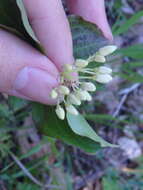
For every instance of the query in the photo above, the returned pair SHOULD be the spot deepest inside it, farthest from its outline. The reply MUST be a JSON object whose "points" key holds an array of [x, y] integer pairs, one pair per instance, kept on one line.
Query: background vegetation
{"points": [[31, 161]]}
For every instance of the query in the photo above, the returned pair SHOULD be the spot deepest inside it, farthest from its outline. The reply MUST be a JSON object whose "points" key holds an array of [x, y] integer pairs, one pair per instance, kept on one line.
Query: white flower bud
{"points": [[99, 58], [80, 95], [81, 63], [73, 99], [60, 112], [88, 96], [103, 78], [88, 86], [63, 90], [104, 70], [71, 109], [54, 94], [106, 50], [68, 68]]}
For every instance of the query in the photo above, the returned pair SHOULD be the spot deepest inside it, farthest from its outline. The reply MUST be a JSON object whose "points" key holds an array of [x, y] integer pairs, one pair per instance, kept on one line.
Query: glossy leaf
{"points": [[134, 51], [51, 126], [25, 20], [129, 23], [80, 126]]}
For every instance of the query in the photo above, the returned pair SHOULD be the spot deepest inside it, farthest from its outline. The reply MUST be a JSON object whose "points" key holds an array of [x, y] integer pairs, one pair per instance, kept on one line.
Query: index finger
{"points": [[51, 27]]}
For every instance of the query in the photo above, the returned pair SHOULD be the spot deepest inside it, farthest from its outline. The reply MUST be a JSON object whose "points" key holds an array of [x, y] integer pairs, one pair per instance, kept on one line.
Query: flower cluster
{"points": [[71, 92]]}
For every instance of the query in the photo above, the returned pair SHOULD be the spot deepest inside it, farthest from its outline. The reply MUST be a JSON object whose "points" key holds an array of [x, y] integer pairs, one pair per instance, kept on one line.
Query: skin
{"points": [[24, 71]]}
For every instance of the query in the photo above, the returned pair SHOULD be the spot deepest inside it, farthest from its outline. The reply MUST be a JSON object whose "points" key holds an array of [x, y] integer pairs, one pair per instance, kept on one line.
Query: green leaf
{"points": [[80, 126], [10, 19], [129, 66], [32, 151], [134, 77], [25, 20], [129, 23], [134, 51], [51, 126], [87, 39], [100, 118]]}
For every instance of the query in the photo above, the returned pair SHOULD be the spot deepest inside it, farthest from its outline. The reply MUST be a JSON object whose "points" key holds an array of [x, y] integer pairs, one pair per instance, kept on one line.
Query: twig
{"points": [[28, 174], [129, 89], [125, 92], [122, 101]]}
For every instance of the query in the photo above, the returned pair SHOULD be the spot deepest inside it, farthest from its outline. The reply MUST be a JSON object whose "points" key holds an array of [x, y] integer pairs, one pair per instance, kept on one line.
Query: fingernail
{"points": [[35, 84]]}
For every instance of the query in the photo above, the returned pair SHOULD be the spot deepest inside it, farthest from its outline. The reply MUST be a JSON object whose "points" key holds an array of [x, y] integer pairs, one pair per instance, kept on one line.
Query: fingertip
{"points": [[104, 26], [92, 13]]}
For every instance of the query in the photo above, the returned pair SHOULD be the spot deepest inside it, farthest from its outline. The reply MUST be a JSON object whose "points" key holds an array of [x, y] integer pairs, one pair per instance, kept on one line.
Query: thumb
{"points": [[24, 72], [92, 11]]}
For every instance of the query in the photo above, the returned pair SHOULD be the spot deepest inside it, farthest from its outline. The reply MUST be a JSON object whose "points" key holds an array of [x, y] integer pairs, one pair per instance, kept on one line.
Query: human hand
{"points": [[26, 73]]}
